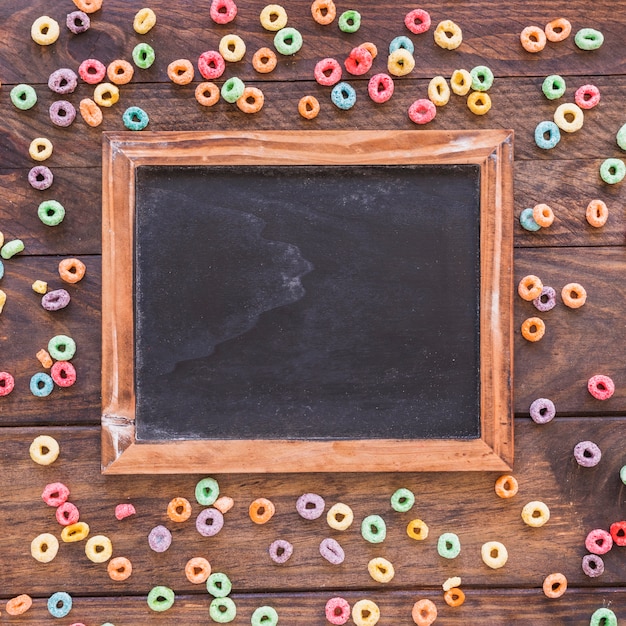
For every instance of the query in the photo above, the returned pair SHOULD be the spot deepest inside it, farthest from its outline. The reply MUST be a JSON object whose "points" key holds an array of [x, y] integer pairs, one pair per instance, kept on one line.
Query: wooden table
{"points": [[577, 345]]}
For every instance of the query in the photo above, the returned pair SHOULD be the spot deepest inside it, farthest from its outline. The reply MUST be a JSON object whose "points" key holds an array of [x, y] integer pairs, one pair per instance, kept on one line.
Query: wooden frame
{"points": [[492, 150]]}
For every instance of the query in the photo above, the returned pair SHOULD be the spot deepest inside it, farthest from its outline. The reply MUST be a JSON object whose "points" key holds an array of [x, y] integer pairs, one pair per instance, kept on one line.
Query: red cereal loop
{"points": [[417, 21], [124, 510], [359, 61], [63, 374], [337, 610], [422, 111], [7, 383], [67, 514], [55, 494], [599, 541], [587, 96], [92, 71], [380, 88], [211, 64], [327, 72], [223, 11], [618, 533], [601, 387]]}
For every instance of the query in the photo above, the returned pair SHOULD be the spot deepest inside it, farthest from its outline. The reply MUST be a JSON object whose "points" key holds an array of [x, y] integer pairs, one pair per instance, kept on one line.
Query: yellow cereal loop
{"points": [[381, 570], [535, 514], [340, 516], [479, 102], [144, 20], [106, 94], [452, 583], [461, 82], [3, 299], [569, 117], [75, 532], [448, 35], [365, 613], [40, 286], [45, 30], [494, 554], [40, 149], [99, 548], [44, 450], [232, 48], [400, 62], [273, 17], [417, 529], [44, 547], [438, 91]]}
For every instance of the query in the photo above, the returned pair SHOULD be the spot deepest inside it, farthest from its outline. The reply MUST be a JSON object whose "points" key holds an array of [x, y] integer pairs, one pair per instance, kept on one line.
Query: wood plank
{"points": [[580, 499]]}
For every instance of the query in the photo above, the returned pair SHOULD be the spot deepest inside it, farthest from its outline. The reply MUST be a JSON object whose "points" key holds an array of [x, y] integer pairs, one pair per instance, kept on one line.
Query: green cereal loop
{"points": [[161, 598], [350, 21], [233, 89], [143, 55], [24, 97], [588, 39], [553, 87], [264, 616], [287, 41], [51, 212], [222, 610], [482, 78], [62, 348], [11, 248], [622, 474], [621, 137], [612, 171], [527, 221], [448, 546], [374, 529], [402, 500], [135, 118], [218, 585], [603, 617], [207, 491]]}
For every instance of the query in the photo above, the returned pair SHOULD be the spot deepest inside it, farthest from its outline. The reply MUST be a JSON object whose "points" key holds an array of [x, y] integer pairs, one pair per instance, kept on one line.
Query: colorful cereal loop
{"points": [[7, 383], [135, 118], [529, 287], [106, 94], [160, 538], [99, 549], [542, 410], [309, 107], [251, 100], [44, 450], [494, 554], [553, 87], [88, 6], [232, 48], [11, 248], [51, 212], [401, 42], [454, 597], [598, 541], [587, 453], [45, 31], [120, 72], [349, 21], [417, 21], [197, 570], [62, 113], [143, 55], [92, 71], [371, 48], [119, 568], [331, 550], [223, 11], [422, 111], [359, 61], [90, 112], [374, 529], [180, 72], [218, 585], [482, 78], [337, 611], [365, 613], [179, 509], [593, 565], [75, 532], [310, 506], [400, 62], [554, 585], [144, 21], [340, 516], [558, 30], [77, 22], [273, 17], [323, 11], [587, 96], [417, 529], [603, 617], [618, 533], [588, 39], [232, 89], [59, 604], [533, 39], [209, 522], [40, 149], [506, 486], [535, 514], [161, 598], [438, 91], [381, 570], [41, 385], [67, 514], [222, 610], [402, 500], [224, 504], [543, 215], [448, 35], [448, 546], [479, 102], [207, 94], [343, 96], [620, 137], [424, 612], [569, 117], [461, 82], [280, 551], [547, 135], [264, 60], [44, 547], [612, 171], [327, 72], [264, 616], [211, 64], [547, 300], [380, 88], [288, 41], [19, 605], [23, 97], [573, 295], [261, 510], [62, 347], [533, 329]]}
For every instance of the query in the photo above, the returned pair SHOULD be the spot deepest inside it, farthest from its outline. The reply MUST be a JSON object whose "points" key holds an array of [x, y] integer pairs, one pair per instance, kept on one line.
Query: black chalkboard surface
{"points": [[307, 302]]}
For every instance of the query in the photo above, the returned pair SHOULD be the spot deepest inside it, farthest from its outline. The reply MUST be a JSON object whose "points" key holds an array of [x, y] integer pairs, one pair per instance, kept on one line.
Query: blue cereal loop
{"points": [[401, 42], [135, 118], [41, 385], [1, 269], [59, 604], [343, 96], [553, 132], [527, 221]]}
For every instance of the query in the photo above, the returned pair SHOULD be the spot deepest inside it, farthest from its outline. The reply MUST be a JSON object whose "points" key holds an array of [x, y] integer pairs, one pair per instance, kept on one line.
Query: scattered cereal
{"points": [[555, 585], [587, 454], [273, 17], [280, 551], [337, 611], [547, 135], [55, 494], [218, 585], [417, 21], [424, 612], [7, 382], [588, 39], [612, 171], [402, 500], [533, 39], [593, 565], [535, 514], [332, 551], [92, 71], [209, 522], [310, 506], [601, 387], [59, 604], [448, 546], [179, 509], [55, 300], [374, 529], [144, 21], [44, 450], [120, 568], [365, 613], [381, 570], [553, 87], [98, 548], [587, 96], [569, 117], [45, 30], [558, 30], [19, 605], [598, 541], [494, 554], [323, 11], [448, 35], [159, 539], [44, 547], [349, 21], [197, 570], [77, 22], [597, 213], [542, 411], [506, 486], [340, 516], [232, 48], [161, 598], [223, 11]]}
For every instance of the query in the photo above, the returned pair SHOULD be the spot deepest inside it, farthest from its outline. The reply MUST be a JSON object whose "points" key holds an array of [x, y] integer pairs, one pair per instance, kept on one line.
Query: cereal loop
{"points": [[417, 21], [601, 387], [402, 500], [400, 62], [587, 454], [40, 149], [461, 82], [332, 551], [223, 11], [67, 514], [558, 30], [88, 6], [448, 546], [232, 89], [44, 450], [232, 48], [618, 533], [207, 94], [59, 604], [529, 287], [264, 60], [310, 506], [98, 549], [120, 72], [273, 17], [506, 486], [547, 135], [308, 107], [422, 111], [144, 20], [251, 101], [554, 585], [264, 616], [160, 538], [527, 220], [417, 529], [71, 270], [569, 117], [179, 509], [553, 87], [211, 64], [327, 72], [92, 71], [479, 102], [424, 612], [593, 565], [587, 96], [90, 112], [381, 570], [323, 11], [337, 611], [438, 91], [542, 411], [573, 295], [588, 39], [543, 215], [494, 554], [7, 383], [218, 585], [359, 61], [288, 41], [454, 597], [340, 516], [23, 97], [161, 598], [106, 94], [373, 529], [365, 613], [380, 88], [280, 551], [143, 55], [261, 510], [533, 39], [535, 514], [197, 570], [55, 494], [371, 48], [612, 171], [448, 35], [224, 504], [343, 96], [349, 21], [603, 617], [533, 329], [75, 532], [45, 30], [119, 568], [599, 541], [19, 604], [77, 22], [44, 547], [41, 385], [209, 522]]}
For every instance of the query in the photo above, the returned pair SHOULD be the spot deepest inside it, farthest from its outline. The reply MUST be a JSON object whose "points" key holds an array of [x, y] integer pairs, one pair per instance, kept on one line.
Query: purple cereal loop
{"points": [[160, 539], [280, 551], [550, 303], [55, 300], [62, 113], [40, 177], [542, 410], [63, 81], [593, 565], [310, 506], [78, 22], [332, 551], [587, 454], [209, 522]]}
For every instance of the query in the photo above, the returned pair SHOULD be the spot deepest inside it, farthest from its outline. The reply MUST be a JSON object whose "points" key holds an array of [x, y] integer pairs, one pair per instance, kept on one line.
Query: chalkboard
{"points": [[280, 301]]}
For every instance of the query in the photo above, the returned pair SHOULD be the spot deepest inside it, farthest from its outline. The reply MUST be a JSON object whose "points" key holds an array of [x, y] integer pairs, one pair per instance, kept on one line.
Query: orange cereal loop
{"points": [[71, 270], [264, 60], [120, 72], [207, 94], [543, 215], [323, 11], [251, 100], [180, 72], [261, 510], [224, 504], [90, 112], [179, 510], [454, 597], [573, 295], [424, 612], [88, 6], [597, 213], [558, 30], [309, 107], [533, 329], [119, 568], [19, 604], [555, 585], [506, 486], [371, 48], [530, 287], [533, 39], [197, 570]]}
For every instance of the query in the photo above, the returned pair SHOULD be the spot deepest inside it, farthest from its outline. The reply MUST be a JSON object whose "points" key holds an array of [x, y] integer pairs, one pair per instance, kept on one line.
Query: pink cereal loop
{"points": [[599, 541], [327, 65], [587, 96], [124, 510], [380, 88], [601, 387], [55, 494], [359, 61], [337, 611], [417, 21], [223, 11], [422, 111]]}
